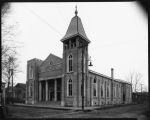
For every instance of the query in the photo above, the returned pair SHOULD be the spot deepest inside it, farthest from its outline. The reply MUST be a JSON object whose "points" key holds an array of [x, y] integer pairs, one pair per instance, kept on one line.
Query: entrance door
{"points": [[52, 95], [59, 89], [51, 90], [43, 90], [124, 98]]}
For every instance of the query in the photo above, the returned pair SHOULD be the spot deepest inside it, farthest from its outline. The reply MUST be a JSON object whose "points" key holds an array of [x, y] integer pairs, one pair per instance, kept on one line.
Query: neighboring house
{"points": [[19, 92], [140, 97], [60, 79]]}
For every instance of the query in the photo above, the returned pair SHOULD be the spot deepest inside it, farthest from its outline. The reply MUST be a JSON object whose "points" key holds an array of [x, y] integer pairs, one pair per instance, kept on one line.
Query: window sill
{"points": [[70, 72], [69, 96], [95, 97]]}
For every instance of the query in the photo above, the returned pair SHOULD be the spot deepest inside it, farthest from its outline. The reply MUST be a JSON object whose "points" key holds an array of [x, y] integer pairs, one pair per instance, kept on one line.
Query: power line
{"points": [[44, 21], [58, 10]]}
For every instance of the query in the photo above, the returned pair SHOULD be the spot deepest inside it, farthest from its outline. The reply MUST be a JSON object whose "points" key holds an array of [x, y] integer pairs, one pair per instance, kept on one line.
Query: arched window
{"points": [[101, 90], [114, 90], [94, 87], [94, 80], [69, 87], [30, 90], [69, 63], [108, 90], [30, 72], [117, 91]]}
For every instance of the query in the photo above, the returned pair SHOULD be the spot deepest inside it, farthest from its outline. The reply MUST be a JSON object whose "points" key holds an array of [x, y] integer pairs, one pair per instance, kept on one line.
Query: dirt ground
{"points": [[139, 111]]}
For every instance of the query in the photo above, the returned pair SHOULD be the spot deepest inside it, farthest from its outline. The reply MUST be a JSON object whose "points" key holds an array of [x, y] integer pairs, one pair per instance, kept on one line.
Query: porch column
{"points": [[40, 91], [55, 90], [46, 90]]}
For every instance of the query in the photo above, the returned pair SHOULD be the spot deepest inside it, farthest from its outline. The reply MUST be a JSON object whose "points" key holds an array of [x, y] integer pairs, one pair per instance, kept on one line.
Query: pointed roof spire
{"points": [[75, 28], [76, 12]]}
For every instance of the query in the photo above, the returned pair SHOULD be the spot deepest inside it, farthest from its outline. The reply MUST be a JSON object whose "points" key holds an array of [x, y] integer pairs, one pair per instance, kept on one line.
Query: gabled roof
{"points": [[75, 28], [53, 59]]}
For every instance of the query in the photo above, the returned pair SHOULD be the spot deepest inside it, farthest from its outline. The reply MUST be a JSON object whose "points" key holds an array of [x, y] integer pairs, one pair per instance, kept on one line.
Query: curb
{"points": [[41, 107]]}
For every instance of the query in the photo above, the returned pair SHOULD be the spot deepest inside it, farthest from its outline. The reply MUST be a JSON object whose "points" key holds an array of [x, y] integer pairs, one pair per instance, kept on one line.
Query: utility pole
{"points": [[12, 80], [82, 85], [82, 77]]}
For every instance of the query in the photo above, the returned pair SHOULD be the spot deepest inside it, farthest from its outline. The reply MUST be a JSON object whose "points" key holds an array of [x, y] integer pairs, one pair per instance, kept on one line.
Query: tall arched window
{"points": [[94, 87], [101, 90], [69, 87], [30, 72], [114, 90], [117, 91], [69, 63], [30, 90], [107, 90]]}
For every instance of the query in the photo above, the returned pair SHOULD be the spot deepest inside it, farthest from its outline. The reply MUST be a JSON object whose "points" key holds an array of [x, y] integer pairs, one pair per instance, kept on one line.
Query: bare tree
{"points": [[9, 53], [138, 77], [130, 79], [134, 78]]}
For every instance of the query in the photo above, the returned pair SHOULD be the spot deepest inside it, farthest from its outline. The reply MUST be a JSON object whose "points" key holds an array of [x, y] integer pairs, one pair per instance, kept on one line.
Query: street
{"points": [[130, 111]]}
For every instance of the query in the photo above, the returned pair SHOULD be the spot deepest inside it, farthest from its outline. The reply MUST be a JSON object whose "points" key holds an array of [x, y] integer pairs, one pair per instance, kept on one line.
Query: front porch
{"points": [[50, 90]]}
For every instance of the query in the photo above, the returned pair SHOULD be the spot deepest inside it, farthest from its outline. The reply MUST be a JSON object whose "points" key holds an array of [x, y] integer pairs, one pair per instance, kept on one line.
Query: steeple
{"points": [[75, 28], [76, 12]]}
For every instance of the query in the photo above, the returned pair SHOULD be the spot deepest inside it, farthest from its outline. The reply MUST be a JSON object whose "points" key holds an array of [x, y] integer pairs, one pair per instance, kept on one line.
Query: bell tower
{"points": [[75, 63]]}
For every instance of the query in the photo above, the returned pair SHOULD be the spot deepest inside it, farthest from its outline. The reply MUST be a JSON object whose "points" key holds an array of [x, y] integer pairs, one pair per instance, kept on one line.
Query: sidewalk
{"points": [[58, 107]]}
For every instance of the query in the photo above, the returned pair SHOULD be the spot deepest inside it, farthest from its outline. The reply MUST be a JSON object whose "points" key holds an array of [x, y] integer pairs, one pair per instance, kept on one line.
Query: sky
{"points": [[118, 32]]}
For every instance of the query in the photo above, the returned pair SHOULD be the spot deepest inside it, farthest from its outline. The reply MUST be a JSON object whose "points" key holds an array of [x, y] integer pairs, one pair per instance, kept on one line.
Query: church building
{"points": [[68, 80]]}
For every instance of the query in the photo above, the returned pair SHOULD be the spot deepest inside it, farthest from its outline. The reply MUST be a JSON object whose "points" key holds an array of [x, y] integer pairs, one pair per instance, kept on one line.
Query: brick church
{"points": [[68, 80]]}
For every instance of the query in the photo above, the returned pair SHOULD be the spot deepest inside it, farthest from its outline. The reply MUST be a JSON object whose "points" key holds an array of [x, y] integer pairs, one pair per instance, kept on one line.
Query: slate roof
{"points": [[75, 28], [118, 80], [53, 59]]}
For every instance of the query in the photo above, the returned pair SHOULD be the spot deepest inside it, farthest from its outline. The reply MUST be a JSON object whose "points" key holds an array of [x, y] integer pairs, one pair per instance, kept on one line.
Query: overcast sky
{"points": [[118, 33]]}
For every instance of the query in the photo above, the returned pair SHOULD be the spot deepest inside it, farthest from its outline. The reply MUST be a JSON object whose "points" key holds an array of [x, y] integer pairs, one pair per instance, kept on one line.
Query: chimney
{"points": [[112, 73]]}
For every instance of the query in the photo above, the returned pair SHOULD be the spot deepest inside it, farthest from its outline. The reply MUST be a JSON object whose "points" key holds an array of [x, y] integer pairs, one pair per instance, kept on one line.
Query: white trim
{"points": [[68, 87]]}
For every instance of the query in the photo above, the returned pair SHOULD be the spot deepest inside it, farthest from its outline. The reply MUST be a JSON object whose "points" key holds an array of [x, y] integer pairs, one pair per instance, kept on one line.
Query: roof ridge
{"points": [[49, 56], [98, 73], [55, 56]]}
